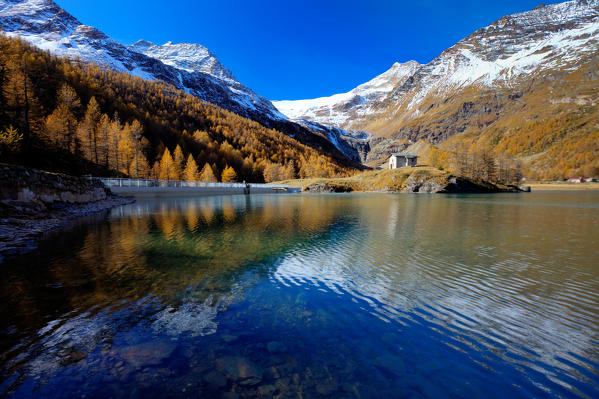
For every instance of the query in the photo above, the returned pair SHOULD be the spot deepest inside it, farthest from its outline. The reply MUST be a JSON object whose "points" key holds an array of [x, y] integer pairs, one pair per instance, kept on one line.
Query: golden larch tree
{"points": [[139, 167], [86, 132], [207, 174], [61, 125], [191, 173], [229, 175], [178, 161], [167, 170]]}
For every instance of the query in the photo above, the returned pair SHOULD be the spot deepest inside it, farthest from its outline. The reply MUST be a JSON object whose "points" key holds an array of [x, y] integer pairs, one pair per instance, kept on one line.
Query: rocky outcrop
{"points": [[371, 150], [33, 202], [360, 147], [30, 186], [423, 186], [454, 185], [327, 188]]}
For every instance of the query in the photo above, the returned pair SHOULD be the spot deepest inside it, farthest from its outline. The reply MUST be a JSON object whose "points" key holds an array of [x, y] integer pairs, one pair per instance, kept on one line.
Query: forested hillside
{"points": [[80, 118]]}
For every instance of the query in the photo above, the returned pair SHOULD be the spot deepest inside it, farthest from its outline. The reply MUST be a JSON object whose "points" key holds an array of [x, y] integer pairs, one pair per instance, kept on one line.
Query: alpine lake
{"points": [[309, 296]]}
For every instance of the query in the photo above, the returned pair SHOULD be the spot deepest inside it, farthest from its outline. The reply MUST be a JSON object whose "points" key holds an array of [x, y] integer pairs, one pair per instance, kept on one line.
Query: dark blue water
{"points": [[342, 296]]}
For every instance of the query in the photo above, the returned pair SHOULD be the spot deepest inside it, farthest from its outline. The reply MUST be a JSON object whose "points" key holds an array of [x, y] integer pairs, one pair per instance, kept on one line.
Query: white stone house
{"points": [[401, 160]]}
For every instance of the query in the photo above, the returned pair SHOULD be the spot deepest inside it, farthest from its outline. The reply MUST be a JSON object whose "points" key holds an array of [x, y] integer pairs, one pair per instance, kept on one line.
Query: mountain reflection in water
{"points": [[340, 295]]}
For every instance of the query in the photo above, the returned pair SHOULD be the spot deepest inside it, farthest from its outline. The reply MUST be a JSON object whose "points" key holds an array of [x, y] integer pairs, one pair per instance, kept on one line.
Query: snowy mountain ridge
{"points": [[190, 57], [554, 36], [333, 110], [189, 67]]}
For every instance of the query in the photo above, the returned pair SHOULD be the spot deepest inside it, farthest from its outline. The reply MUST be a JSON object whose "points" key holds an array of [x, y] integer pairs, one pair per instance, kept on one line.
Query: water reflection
{"points": [[346, 295]]}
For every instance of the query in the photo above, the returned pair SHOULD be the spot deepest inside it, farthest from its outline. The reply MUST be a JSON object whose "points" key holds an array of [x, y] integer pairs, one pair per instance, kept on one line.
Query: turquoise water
{"points": [[297, 296]]}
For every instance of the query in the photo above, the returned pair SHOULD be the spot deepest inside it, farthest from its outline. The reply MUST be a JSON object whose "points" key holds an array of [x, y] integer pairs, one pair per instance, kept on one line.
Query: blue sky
{"points": [[288, 49]]}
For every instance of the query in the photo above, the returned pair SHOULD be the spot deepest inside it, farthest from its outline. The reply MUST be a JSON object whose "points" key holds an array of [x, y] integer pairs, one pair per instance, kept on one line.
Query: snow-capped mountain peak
{"points": [[337, 109], [386, 81], [190, 57]]}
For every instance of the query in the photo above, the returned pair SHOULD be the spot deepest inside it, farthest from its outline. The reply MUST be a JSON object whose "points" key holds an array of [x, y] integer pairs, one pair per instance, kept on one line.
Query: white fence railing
{"points": [[122, 182]]}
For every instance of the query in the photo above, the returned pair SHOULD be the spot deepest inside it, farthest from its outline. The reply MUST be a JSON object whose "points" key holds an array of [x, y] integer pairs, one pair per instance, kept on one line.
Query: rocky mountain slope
{"points": [[538, 65]]}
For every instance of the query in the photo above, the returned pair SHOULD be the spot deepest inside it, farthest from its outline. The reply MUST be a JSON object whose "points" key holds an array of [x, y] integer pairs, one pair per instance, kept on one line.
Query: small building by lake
{"points": [[400, 160]]}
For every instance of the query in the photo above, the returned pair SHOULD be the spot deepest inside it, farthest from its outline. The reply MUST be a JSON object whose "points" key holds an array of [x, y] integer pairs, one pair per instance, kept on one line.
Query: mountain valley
{"points": [[524, 86]]}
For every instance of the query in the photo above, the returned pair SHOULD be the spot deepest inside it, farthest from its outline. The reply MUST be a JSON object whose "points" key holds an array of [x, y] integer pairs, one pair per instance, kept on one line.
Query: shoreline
{"points": [[563, 186], [35, 202], [25, 225]]}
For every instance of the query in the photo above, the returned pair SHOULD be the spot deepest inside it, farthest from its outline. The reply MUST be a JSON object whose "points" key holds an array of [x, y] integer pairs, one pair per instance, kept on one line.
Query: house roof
{"points": [[399, 154]]}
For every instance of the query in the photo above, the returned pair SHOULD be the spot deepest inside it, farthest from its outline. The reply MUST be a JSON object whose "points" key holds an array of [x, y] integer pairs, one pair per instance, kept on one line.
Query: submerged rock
{"points": [[240, 369], [276, 347], [266, 390], [272, 373], [250, 381], [326, 389], [215, 379], [147, 354]]}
